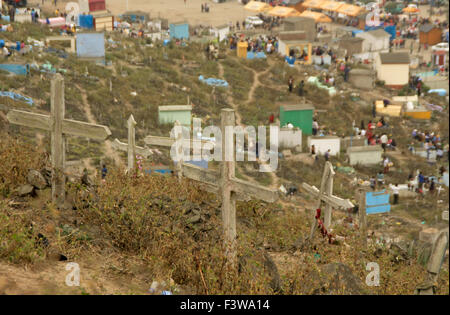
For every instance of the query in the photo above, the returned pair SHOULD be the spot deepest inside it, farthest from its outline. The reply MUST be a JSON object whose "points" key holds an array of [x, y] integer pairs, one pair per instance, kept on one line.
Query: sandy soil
{"points": [[174, 10]]}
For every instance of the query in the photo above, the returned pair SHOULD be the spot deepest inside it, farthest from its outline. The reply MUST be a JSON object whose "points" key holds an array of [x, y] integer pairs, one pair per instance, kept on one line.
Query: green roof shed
{"points": [[299, 115]]}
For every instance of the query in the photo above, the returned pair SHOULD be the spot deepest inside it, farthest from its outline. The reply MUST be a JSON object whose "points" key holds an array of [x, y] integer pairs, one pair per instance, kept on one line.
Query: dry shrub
{"points": [[175, 227], [17, 158], [18, 244]]}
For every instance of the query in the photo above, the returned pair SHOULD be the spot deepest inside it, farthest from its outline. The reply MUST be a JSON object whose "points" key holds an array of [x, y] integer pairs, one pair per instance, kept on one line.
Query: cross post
{"points": [[131, 148], [224, 183], [325, 195], [59, 127]]}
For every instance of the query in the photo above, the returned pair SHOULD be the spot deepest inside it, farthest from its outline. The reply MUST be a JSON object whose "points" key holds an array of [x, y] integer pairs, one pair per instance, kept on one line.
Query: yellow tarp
{"points": [[351, 10], [257, 6], [313, 4], [283, 11], [318, 17], [332, 6]]}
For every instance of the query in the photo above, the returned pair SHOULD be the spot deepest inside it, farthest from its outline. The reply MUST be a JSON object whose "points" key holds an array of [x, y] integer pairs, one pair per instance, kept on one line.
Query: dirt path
{"points": [[109, 151], [230, 97]]}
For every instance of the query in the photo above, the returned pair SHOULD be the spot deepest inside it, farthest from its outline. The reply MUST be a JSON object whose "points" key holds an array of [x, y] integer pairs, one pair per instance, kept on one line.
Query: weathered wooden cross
{"points": [[131, 146], [325, 195], [59, 127], [226, 184]]}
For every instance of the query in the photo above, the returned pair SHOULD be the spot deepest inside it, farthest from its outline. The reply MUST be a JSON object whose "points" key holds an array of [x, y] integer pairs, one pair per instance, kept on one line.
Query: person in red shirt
{"points": [[271, 118]]}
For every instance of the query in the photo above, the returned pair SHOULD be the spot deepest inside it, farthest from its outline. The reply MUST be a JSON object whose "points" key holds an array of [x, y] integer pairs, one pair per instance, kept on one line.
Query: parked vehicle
{"points": [[254, 21]]}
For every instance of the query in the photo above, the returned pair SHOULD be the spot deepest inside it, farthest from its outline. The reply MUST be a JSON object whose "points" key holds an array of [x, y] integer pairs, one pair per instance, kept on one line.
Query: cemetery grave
{"points": [[220, 214]]}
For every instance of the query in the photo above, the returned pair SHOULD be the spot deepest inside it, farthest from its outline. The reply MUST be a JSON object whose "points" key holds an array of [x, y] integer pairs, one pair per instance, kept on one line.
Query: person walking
{"points": [[104, 172], [386, 165], [419, 88], [327, 155], [291, 83], [300, 88], [384, 140], [395, 191], [315, 127]]}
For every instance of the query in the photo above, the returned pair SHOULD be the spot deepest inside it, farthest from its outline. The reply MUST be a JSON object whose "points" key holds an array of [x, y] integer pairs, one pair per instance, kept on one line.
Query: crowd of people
{"points": [[429, 141], [262, 43]]}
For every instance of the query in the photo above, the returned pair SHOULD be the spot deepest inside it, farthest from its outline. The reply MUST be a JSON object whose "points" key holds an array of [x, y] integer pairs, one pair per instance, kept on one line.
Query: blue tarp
{"points": [[86, 21], [290, 60], [441, 92], [158, 171], [91, 45], [6, 18], [372, 28], [213, 81], [179, 31], [391, 29], [354, 32], [17, 69], [258, 55], [17, 97], [377, 202]]}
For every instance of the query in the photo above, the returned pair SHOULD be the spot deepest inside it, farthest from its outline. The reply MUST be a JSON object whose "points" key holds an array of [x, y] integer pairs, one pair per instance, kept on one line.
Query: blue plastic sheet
{"points": [[14, 68], [258, 55], [158, 171], [86, 21], [17, 97], [91, 45], [213, 81], [290, 60], [377, 202], [440, 92], [179, 31], [391, 29]]}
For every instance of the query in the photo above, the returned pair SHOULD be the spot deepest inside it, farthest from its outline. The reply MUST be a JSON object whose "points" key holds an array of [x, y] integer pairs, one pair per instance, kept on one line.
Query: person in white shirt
{"points": [[395, 190], [363, 132], [384, 141], [386, 165]]}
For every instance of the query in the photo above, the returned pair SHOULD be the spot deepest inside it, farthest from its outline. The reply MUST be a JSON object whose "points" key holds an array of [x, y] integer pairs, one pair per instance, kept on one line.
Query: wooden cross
{"points": [[59, 127], [131, 146], [225, 183], [325, 195]]}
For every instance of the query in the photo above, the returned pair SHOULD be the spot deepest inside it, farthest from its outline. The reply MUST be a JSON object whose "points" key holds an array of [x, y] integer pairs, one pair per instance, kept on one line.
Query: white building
{"points": [[375, 41]]}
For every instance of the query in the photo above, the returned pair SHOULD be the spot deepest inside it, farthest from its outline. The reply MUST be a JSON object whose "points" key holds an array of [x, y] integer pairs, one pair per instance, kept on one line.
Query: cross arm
{"points": [[200, 174], [334, 201], [246, 190], [118, 145], [86, 130], [33, 120], [69, 127], [168, 142]]}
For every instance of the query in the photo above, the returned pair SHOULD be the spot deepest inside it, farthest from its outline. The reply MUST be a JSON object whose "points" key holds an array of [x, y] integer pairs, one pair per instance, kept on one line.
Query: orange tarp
{"points": [[351, 10], [283, 11], [313, 4], [257, 6], [318, 17], [331, 6], [410, 10]]}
